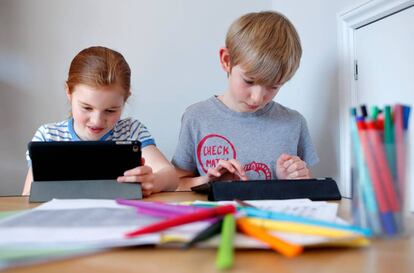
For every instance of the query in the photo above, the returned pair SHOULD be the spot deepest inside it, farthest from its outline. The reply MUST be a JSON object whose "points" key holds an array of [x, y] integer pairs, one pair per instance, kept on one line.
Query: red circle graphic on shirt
{"points": [[212, 148]]}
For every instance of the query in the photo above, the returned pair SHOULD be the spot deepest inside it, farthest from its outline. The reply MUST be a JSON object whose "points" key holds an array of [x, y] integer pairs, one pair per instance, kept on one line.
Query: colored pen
{"points": [[285, 248], [183, 219], [400, 147], [159, 206], [383, 167], [225, 252], [267, 214], [389, 140], [159, 213], [386, 215], [206, 233], [367, 196], [294, 227]]}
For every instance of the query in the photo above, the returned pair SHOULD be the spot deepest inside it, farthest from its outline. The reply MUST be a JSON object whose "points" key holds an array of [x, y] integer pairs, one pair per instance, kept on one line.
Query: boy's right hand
{"points": [[227, 170]]}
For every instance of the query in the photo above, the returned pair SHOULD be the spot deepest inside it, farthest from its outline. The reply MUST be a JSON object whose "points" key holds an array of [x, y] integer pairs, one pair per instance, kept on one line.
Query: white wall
{"points": [[314, 89], [172, 48]]}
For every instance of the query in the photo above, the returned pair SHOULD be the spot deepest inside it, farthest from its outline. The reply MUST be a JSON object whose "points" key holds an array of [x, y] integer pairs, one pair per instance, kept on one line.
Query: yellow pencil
{"points": [[261, 234], [294, 227]]}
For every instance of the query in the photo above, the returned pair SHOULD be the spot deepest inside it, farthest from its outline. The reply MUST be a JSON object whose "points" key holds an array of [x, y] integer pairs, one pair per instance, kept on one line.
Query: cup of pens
{"points": [[379, 155]]}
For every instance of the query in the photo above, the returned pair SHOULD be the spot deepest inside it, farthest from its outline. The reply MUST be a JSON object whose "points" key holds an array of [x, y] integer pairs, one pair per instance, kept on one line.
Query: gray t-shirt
{"points": [[210, 131]]}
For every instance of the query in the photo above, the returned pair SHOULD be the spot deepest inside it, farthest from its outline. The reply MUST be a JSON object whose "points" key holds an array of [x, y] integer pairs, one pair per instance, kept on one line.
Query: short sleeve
{"points": [[306, 149], [38, 136], [140, 132], [184, 156]]}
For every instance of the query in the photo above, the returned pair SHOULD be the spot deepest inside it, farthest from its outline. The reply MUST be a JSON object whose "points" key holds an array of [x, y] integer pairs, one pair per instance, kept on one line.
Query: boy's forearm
{"points": [[165, 180], [186, 183]]}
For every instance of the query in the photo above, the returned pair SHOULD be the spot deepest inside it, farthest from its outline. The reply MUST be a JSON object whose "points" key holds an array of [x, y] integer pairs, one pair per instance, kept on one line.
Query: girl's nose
{"points": [[97, 119]]}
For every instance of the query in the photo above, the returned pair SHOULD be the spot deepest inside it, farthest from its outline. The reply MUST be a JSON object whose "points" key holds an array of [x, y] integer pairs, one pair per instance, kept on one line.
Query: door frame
{"points": [[348, 22]]}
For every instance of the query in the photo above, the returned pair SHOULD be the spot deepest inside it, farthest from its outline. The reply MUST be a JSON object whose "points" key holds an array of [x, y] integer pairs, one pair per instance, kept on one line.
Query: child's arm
{"points": [[225, 170], [291, 167], [188, 180], [28, 182], [156, 173]]}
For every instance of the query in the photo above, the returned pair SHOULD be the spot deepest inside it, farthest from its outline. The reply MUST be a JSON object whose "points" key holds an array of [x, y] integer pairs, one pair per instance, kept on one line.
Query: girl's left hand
{"points": [[291, 167], [142, 174]]}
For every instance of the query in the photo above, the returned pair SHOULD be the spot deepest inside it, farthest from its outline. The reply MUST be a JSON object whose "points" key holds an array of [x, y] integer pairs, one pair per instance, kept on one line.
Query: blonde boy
{"points": [[243, 134]]}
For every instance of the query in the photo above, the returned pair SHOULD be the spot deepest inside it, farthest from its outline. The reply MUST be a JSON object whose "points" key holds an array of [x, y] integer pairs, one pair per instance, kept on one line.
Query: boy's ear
{"points": [[68, 93], [225, 59]]}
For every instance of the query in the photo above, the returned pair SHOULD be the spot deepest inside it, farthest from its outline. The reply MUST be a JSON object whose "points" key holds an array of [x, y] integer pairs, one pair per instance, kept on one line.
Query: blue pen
{"points": [[266, 214], [406, 116]]}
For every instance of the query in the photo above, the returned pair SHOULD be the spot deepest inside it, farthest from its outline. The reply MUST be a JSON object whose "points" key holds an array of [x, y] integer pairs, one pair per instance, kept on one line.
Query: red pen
{"points": [[183, 219]]}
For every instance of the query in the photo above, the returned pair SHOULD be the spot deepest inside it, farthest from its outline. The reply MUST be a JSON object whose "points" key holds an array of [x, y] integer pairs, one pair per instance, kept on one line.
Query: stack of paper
{"points": [[62, 228]]}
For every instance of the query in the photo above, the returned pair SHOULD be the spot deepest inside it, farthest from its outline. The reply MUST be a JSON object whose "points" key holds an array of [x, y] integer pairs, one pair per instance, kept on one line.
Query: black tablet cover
{"points": [[314, 189]]}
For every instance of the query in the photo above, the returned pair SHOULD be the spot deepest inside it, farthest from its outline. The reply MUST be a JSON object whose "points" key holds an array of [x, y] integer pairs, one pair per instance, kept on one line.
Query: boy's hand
{"points": [[142, 174], [291, 167], [227, 170]]}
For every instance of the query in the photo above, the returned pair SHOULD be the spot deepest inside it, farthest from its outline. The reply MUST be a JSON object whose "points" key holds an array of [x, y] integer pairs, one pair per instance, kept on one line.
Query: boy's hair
{"points": [[266, 45], [99, 66]]}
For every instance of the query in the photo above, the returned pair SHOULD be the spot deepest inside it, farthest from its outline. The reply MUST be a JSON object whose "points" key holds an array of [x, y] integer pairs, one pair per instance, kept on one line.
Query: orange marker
{"points": [[285, 248]]}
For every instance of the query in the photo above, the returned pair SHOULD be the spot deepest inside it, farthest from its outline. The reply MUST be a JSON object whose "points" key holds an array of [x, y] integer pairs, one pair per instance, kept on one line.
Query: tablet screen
{"points": [[83, 160]]}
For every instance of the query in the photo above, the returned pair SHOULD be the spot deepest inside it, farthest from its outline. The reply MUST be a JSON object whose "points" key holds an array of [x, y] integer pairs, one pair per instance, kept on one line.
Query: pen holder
{"points": [[379, 170]]}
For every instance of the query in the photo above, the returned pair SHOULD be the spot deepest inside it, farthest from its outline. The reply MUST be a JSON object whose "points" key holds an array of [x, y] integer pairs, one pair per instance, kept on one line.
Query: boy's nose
{"points": [[257, 95]]}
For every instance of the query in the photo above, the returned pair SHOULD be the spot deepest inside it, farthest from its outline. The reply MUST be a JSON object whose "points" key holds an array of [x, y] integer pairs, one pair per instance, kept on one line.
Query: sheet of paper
{"points": [[96, 223], [320, 210]]}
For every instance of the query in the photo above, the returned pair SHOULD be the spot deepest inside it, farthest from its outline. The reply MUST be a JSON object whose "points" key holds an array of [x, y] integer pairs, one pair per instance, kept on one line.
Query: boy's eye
{"points": [[110, 111], [248, 81], [87, 108]]}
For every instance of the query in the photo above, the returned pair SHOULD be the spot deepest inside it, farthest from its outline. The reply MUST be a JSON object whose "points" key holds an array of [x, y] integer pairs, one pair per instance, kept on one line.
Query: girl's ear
{"points": [[225, 59], [68, 93]]}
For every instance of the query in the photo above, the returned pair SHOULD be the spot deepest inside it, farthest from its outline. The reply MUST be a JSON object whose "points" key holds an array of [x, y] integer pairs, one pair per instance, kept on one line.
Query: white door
{"points": [[385, 56]]}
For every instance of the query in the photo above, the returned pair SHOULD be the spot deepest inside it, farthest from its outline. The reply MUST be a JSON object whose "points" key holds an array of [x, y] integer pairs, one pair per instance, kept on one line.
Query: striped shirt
{"points": [[124, 130]]}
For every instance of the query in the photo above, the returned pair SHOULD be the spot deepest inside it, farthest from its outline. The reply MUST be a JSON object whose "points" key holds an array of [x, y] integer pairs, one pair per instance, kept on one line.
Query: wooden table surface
{"points": [[386, 255]]}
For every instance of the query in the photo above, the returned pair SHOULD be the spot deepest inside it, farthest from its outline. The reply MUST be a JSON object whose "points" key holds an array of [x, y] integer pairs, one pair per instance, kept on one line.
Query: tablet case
{"points": [[315, 189], [83, 169]]}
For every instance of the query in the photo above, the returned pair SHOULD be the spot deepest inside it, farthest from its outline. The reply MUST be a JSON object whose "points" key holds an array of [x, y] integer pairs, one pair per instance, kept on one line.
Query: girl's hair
{"points": [[99, 66], [266, 45]]}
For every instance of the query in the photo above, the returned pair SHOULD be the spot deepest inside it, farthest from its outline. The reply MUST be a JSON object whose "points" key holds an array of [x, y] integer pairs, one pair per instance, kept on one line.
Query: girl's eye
{"points": [[87, 108], [110, 111]]}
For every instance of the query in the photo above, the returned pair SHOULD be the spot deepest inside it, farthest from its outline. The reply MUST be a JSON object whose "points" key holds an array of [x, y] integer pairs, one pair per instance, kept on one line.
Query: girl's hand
{"points": [[227, 170], [291, 167], [142, 174]]}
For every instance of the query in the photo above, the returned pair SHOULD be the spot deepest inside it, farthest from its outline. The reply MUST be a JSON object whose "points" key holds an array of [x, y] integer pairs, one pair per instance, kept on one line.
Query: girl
{"points": [[97, 88]]}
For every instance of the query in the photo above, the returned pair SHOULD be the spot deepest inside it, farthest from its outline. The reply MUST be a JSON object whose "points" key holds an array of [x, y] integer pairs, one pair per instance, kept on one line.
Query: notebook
{"points": [[315, 189], [83, 169]]}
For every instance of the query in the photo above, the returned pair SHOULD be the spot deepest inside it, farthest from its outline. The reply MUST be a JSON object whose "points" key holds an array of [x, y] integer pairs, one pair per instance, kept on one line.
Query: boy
{"points": [[243, 134]]}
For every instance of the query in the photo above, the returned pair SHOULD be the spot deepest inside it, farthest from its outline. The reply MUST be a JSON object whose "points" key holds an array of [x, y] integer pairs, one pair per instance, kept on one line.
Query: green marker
{"points": [[374, 112], [225, 251], [389, 140]]}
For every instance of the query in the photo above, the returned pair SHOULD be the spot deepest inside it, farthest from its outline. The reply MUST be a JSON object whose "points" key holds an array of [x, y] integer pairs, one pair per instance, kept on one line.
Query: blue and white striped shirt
{"points": [[124, 130]]}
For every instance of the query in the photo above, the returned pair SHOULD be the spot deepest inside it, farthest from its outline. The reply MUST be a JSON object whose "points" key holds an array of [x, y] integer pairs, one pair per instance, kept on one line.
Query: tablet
{"points": [[83, 170], [316, 189], [83, 160]]}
